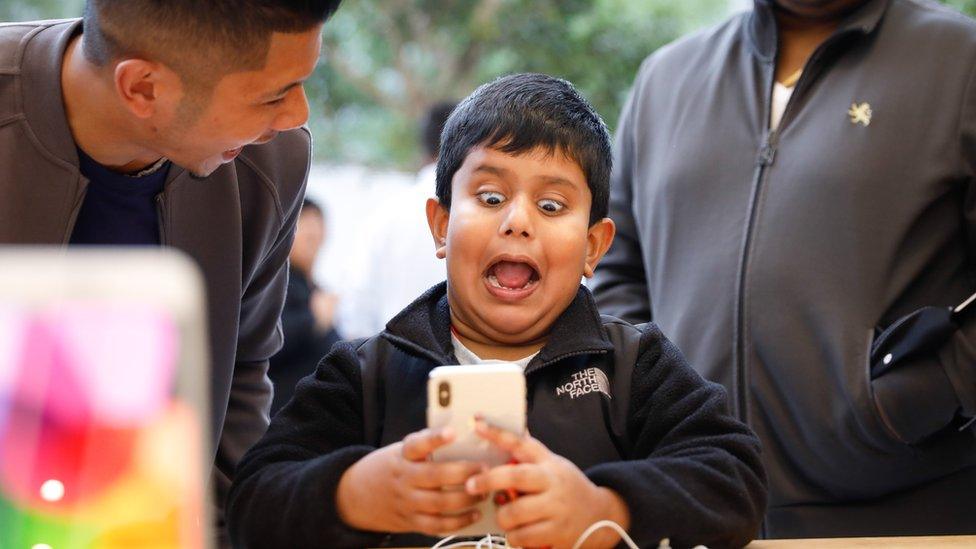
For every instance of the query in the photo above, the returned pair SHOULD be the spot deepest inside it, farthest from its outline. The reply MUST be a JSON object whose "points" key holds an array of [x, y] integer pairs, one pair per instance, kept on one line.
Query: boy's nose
{"points": [[518, 221]]}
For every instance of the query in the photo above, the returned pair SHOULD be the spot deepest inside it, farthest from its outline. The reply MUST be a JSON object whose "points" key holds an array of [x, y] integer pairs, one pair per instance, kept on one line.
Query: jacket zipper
{"points": [[564, 356], [765, 158], [767, 153]]}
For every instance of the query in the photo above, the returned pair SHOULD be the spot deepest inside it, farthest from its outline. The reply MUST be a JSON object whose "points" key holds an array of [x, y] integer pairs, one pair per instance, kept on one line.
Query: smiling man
{"points": [[172, 123]]}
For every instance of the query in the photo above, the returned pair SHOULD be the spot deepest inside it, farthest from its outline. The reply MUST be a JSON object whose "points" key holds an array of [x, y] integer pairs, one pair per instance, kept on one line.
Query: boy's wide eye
{"points": [[551, 206], [491, 198]]}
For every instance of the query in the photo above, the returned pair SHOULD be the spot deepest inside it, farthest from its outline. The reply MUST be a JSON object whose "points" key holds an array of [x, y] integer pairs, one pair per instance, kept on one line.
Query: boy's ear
{"points": [[598, 240], [437, 218]]}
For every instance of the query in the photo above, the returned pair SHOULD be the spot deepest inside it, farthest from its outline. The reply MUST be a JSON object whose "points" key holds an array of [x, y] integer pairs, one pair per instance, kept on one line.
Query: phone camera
{"points": [[444, 394]]}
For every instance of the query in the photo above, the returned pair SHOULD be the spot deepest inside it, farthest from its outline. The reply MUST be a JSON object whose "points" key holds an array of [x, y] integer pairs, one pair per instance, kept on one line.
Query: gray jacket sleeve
{"points": [[958, 358], [259, 338], [620, 285], [924, 395]]}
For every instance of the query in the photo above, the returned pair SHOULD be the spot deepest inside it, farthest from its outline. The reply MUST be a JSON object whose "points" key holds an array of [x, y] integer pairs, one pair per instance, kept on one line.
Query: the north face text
{"points": [[586, 381]]}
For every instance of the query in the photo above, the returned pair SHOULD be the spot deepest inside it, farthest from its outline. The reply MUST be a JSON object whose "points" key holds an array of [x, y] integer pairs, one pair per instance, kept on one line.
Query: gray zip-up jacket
{"points": [[771, 257], [237, 224]]}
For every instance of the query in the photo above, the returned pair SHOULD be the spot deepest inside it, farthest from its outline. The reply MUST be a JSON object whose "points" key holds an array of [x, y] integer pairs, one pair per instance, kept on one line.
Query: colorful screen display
{"points": [[97, 448]]}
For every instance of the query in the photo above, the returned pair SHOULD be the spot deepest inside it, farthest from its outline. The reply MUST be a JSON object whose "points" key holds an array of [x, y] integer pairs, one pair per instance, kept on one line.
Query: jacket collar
{"points": [[424, 327], [42, 97], [761, 25], [45, 113]]}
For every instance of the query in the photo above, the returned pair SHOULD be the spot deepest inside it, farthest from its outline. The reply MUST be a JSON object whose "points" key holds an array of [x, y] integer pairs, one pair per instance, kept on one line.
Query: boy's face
{"points": [[517, 240]]}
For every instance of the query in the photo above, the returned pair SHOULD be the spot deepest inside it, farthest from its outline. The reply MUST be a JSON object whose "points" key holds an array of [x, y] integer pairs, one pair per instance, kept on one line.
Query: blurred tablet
{"points": [[103, 407]]}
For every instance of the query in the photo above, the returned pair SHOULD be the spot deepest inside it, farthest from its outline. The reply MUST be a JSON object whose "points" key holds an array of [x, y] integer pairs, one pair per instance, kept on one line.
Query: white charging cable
{"points": [[499, 542], [607, 524]]}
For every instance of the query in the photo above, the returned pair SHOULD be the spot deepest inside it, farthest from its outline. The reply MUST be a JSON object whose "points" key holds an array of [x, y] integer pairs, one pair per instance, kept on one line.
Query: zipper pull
{"points": [[767, 154]]}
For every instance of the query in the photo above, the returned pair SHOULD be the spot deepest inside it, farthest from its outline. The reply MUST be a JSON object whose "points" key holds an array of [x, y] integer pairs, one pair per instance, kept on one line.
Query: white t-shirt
{"points": [[781, 96], [466, 356]]}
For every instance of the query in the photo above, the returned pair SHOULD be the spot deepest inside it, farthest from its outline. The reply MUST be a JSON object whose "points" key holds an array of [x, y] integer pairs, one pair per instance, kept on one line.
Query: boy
{"points": [[621, 427]]}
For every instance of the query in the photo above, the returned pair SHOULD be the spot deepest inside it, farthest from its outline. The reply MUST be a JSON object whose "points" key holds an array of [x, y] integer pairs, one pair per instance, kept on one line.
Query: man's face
{"points": [[516, 242], [246, 107], [819, 9]]}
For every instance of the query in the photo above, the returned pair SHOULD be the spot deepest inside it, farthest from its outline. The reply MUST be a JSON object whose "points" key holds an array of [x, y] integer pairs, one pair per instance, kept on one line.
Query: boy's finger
{"points": [[537, 534], [526, 478], [417, 446], [433, 525], [441, 502], [523, 511], [522, 447], [436, 475]]}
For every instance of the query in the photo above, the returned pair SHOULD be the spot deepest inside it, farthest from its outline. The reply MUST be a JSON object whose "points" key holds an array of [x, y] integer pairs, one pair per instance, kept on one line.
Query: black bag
{"points": [[919, 333]]}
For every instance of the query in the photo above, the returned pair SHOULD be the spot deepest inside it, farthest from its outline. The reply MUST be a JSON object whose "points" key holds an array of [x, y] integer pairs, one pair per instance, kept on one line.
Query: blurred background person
{"points": [[307, 319], [398, 236]]}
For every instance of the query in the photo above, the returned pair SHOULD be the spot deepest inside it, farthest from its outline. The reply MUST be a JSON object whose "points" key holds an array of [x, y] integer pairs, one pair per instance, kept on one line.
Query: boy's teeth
{"points": [[493, 280]]}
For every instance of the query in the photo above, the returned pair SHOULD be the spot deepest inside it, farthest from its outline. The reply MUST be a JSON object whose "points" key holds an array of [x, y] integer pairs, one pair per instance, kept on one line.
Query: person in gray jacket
{"points": [[787, 185], [178, 124]]}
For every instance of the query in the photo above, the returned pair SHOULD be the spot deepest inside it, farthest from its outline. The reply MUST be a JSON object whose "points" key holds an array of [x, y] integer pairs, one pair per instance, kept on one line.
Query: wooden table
{"points": [[933, 542], [920, 542]]}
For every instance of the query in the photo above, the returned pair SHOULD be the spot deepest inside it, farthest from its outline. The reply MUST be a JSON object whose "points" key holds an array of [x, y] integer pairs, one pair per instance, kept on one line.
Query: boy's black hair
{"points": [[518, 113], [201, 39]]}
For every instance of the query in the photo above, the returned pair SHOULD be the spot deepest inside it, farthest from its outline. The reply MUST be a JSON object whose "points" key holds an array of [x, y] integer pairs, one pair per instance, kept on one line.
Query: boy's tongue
{"points": [[512, 275]]}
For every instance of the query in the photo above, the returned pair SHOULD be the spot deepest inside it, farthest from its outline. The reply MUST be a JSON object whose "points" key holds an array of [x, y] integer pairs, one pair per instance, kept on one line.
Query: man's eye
{"points": [[491, 198], [551, 206], [274, 102]]}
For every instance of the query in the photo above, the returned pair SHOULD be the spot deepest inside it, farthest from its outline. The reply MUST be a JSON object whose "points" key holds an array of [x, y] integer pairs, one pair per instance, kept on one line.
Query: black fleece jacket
{"points": [[643, 424]]}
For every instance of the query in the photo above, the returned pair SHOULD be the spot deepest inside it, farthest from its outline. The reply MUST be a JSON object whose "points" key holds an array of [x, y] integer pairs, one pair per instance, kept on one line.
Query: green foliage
{"points": [[29, 10], [966, 6], [385, 61]]}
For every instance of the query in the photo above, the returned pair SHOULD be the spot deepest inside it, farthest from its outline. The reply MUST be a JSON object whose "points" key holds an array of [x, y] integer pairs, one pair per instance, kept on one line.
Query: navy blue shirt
{"points": [[118, 209]]}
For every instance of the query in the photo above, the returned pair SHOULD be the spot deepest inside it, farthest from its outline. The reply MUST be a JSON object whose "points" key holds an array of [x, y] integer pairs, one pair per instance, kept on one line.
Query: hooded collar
{"points": [[762, 33], [424, 327]]}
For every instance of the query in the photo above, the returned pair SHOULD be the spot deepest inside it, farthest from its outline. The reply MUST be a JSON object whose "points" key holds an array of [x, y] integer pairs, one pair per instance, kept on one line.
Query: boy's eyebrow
{"points": [[493, 170], [556, 180], [504, 173]]}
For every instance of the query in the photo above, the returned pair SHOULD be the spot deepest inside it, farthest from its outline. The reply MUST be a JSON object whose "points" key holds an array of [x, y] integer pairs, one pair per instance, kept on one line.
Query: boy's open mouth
{"points": [[511, 278]]}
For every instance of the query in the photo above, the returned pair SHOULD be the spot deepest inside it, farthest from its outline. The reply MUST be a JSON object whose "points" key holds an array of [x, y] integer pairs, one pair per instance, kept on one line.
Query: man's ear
{"points": [[598, 240], [437, 218], [146, 87]]}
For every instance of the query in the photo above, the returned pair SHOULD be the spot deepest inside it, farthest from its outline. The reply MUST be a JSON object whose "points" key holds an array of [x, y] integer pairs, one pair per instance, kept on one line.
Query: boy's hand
{"points": [[556, 502], [395, 488]]}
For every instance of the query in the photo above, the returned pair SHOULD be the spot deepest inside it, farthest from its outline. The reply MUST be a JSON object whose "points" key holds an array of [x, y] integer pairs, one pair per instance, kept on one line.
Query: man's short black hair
{"points": [[521, 112], [199, 39], [433, 125]]}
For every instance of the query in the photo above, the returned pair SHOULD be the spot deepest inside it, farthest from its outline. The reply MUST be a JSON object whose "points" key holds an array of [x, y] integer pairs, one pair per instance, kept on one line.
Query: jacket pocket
{"points": [[883, 429], [912, 398]]}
